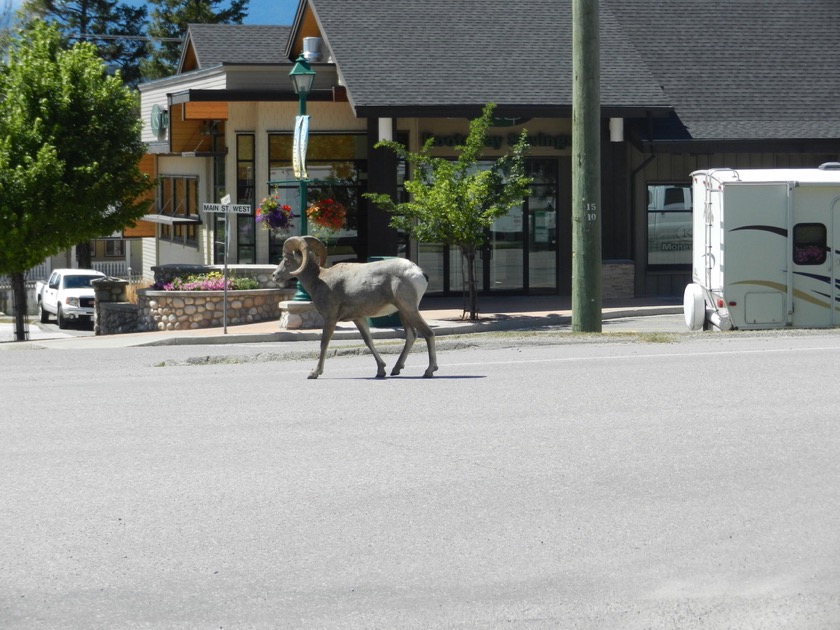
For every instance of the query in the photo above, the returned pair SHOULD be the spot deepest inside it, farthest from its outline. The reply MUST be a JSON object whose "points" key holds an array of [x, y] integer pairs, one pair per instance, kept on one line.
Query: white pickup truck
{"points": [[68, 294]]}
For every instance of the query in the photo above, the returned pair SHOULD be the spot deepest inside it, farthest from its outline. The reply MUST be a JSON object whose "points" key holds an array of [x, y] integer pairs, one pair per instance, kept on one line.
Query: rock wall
{"points": [[182, 310], [188, 310]]}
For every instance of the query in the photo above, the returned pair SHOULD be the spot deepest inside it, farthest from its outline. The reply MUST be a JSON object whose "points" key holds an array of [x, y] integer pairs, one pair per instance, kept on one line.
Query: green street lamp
{"points": [[302, 79]]}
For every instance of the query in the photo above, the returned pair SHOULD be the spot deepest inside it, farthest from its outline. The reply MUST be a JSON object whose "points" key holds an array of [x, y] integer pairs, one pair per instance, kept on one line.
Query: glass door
{"points": [[507, 252]]}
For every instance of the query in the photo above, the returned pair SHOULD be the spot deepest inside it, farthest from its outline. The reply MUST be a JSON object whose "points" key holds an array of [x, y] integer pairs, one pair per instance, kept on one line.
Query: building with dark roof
{"points": [[683, 87]]}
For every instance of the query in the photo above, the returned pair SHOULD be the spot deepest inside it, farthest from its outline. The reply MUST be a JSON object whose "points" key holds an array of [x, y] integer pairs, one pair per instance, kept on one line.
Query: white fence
{"points": [[38, 272], [116, 269], [112, 268]]}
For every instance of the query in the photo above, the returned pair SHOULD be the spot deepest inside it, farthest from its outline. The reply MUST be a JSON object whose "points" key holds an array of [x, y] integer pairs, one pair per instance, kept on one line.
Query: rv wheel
{"points": [[694, 307]]}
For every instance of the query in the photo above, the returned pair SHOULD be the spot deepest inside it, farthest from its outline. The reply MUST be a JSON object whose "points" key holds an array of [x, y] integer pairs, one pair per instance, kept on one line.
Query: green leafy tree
{"points": [[168, 26], [69, 152], [455, 202], [117, 29]]}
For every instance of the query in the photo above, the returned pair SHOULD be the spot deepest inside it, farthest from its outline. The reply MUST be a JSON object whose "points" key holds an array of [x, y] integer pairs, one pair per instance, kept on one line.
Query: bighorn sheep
{"points": [[356, 291]]}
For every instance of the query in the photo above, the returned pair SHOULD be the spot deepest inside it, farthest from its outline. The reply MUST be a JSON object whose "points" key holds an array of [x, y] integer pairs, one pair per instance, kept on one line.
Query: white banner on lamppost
{"points": [[299, 147]]}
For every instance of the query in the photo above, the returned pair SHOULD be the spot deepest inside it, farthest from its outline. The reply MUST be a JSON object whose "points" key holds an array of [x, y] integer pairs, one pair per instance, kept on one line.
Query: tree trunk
{"points": [[19, 297], [472, 288]]}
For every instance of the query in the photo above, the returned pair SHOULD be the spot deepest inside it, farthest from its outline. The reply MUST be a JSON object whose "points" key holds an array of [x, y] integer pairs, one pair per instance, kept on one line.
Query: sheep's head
{"points": [[296, 252]]}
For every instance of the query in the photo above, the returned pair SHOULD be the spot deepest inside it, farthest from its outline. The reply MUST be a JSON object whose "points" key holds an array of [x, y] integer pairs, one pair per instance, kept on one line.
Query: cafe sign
{"points": [[558, 142]]}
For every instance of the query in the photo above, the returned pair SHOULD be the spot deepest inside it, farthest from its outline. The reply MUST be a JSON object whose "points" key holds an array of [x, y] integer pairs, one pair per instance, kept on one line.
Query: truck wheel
{"points": [[62, 321], [44, 315], [694, 307]]}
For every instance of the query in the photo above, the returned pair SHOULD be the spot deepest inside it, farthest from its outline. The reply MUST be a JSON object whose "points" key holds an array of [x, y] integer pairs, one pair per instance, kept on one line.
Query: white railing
{"points": [[113, 268], [38, 272]]}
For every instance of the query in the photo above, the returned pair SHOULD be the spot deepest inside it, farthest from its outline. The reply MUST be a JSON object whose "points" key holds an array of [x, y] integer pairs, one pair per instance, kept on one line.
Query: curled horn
{"points": [[297, 244], [319, 248]]}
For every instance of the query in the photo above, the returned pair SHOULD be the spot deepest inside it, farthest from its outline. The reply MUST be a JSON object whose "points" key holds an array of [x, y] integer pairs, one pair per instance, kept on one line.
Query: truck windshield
{"points": [[77, 282]]}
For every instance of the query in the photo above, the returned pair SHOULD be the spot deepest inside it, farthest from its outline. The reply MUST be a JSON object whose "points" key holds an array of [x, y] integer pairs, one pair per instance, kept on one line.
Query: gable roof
{"points": [[746, 70], [752, 69], [213, 44], [757, 69], [409, 55]]}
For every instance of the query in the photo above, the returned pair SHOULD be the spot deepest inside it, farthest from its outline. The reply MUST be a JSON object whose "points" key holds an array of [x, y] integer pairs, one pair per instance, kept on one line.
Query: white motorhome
{"points": [[766, 249]]}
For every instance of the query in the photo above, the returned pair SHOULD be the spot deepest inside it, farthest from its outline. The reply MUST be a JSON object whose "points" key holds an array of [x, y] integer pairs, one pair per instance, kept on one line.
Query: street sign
{"points": [[243, 208]]}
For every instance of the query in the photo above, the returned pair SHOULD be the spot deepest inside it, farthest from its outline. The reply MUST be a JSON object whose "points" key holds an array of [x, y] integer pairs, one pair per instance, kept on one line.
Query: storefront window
{"points": [[219, 218], [246, 246], [521, 249], [337, 170], [177, 199], [669, 224]]}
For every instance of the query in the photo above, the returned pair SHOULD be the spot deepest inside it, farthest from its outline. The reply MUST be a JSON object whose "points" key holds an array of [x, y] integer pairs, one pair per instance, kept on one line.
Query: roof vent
{"points": [[312, 48]]}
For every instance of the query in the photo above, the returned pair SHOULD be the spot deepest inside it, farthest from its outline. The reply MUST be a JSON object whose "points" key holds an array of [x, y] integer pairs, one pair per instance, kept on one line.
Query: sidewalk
{"points": [[444, 315]]}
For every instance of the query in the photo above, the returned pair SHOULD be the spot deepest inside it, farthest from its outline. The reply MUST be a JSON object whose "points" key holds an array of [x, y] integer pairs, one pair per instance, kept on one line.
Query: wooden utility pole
{"points": [[586, 168]]}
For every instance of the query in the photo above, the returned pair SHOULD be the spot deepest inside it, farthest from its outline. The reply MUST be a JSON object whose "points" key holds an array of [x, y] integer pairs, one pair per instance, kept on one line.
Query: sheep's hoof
{"points": [[430, 372], [313, 375], [396, 371], [380, 375]]}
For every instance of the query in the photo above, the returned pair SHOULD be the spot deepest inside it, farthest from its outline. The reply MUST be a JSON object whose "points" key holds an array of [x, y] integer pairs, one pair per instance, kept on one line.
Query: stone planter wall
{"points": [[116, 318], [113, 314], [180, 310], [187, 310]]}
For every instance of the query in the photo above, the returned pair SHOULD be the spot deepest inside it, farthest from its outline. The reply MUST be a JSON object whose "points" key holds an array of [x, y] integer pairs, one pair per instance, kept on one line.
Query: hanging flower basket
{"points": [[273, 216], [327, 217]]}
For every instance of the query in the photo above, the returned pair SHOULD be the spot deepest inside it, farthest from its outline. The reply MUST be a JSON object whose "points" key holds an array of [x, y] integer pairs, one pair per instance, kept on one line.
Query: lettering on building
{"points": [[545, 140]]}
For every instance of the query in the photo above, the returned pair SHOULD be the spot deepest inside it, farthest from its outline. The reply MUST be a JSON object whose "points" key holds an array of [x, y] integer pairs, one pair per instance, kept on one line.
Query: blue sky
{"points": [[276, 12], [271, 11]]}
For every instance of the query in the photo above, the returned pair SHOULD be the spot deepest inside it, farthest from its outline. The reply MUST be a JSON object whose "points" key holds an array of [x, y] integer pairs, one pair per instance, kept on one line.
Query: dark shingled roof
{"points": [[757, 69], [469, 52], [731, 70], [238, 43], [751, 69]]}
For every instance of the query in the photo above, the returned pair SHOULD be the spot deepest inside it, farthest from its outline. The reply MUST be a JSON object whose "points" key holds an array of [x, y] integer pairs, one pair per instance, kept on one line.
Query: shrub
{"points": [[131, 290]]}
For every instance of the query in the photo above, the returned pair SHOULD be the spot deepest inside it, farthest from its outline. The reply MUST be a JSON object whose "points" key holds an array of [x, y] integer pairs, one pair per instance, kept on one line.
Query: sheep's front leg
{"points": [[326, 335], [362, 325]]}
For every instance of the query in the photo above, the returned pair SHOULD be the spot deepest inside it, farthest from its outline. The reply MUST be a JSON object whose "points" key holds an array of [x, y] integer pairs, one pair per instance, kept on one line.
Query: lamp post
{"points": [[302, 79]]}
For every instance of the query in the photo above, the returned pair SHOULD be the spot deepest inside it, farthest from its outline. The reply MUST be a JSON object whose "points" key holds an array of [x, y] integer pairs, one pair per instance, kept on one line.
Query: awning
{"points": [[170, 220]]}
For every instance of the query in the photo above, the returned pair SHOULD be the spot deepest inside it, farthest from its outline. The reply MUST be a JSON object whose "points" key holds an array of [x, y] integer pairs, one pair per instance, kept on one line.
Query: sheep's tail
{"points": [[418, 280]]}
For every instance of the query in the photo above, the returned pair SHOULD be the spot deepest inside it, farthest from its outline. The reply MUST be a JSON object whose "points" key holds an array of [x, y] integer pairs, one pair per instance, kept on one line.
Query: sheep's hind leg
{"points": [[410, 336], [362, 325], [416, 322], [424, 331]]}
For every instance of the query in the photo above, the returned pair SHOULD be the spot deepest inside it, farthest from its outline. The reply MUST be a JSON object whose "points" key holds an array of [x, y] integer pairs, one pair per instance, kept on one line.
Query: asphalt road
{"points": [[539, 481]]}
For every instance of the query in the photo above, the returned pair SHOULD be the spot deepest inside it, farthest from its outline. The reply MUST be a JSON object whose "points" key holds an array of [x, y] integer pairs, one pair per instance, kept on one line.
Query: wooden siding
{"points": [[189, 135], [206, 111], [143, 229]]}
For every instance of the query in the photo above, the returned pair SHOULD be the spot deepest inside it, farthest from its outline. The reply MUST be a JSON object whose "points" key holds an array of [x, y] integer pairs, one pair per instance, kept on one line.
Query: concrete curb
{"points": [[501, 321], [440, 328]]}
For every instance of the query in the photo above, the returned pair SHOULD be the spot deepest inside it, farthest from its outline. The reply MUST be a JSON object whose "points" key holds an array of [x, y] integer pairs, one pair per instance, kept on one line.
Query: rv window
{"points": [[809, 244], [669, 224]]}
